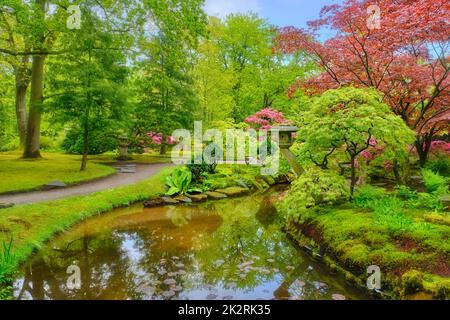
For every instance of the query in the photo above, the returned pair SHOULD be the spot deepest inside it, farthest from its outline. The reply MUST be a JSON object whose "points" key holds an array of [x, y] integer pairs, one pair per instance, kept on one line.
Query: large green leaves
{"points": [[180, 182]]}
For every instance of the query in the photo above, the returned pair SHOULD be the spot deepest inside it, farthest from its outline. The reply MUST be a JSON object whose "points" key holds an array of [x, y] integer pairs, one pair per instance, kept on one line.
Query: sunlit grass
{"points": [[17, 174]]}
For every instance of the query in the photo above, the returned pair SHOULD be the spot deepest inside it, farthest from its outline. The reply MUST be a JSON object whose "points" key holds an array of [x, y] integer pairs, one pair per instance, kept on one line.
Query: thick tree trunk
{"points": [[423, 146], [22, 82], [32, 143]]}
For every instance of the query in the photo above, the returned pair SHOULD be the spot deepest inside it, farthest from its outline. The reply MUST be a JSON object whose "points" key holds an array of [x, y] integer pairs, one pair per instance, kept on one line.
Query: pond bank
{"points": [[348, 240], [224, 249]]}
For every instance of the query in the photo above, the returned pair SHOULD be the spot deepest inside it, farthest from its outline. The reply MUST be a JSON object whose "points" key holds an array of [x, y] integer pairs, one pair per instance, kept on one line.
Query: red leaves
{"points": [[407, 58]]}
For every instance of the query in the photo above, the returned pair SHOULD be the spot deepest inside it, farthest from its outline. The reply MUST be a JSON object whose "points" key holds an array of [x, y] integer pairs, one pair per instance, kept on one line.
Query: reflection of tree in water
{"points": [[244, 252], [162, 252], [102, 261]]}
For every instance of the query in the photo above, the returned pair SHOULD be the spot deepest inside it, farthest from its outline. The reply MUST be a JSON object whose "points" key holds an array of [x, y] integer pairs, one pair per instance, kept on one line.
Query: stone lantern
{"points": [[123, 148], [285, 135], [286, 140]]}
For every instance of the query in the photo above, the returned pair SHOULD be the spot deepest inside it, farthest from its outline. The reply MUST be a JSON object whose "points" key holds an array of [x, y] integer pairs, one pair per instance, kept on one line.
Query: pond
{"points": [[227, 249]]}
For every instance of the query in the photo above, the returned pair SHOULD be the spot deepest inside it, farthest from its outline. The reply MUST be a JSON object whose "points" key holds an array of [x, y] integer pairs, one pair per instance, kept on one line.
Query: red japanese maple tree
{"points": [[405, 55]]}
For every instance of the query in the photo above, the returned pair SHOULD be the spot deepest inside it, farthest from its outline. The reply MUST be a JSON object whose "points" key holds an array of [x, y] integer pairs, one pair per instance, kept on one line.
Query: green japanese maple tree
{"points": [[350, 120]]}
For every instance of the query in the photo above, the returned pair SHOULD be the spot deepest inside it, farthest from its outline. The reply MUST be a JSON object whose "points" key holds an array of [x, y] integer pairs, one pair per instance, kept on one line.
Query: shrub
{"points": [[180, 182], [412, 281], [426, 200], [405, 193], [434, 182], [313, 188], [440, 165], [7, 263], [388, 212], [99, 141], [199, 170], [366, 194]]}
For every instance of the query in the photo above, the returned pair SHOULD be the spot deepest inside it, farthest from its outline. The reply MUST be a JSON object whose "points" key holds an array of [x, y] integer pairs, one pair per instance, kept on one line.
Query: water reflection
{"points": [[229, 249]]}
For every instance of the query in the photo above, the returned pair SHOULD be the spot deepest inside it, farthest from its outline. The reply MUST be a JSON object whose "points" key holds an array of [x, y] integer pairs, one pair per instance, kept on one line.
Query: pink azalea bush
{"points": [[266, 119], [440, 146], [158, 138]]}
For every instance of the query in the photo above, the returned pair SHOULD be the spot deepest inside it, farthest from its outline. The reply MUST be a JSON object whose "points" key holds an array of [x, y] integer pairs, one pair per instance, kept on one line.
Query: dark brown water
{"points": [[228, 249]]}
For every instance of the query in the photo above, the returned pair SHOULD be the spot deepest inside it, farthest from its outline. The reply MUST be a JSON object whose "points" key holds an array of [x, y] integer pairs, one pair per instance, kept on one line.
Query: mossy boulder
{"points": [[234, 191], [268, 179], [412, 281], [153, 202], [6, 205], [169, 201], [198, 197], [183, 199], [216, 195]]}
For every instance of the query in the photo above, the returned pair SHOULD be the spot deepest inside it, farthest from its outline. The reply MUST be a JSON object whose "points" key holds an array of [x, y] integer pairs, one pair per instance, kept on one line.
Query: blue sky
{"points": [[278, 12]]}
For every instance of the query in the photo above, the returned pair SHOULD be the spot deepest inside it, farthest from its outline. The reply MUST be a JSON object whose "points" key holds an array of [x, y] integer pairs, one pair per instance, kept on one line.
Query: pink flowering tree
{"points": [[161, 140], [266, 119]]}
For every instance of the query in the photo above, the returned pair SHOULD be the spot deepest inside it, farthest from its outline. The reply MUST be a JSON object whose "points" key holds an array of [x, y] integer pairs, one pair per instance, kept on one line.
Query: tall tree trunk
{"points": [[22, 82], [32, 143]]}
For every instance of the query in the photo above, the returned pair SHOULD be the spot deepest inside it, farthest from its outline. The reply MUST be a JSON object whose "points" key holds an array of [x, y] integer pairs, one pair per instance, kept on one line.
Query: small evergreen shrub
{"points": [[440, 165], [366, 194], [434, 182], [313, 188]]}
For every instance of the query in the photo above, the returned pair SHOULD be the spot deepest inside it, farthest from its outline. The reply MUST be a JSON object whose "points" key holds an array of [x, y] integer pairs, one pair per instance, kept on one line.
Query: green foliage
{"points": [[8, 140], [412, 281], [405, 192], [440, 165], [366, 194], [237, 72], [389, 213], [434, 182], [349, 121], [313, 188], [180, 182], [200, 170], [100, 140], [7, 260], [7, 268], [414, 199]]}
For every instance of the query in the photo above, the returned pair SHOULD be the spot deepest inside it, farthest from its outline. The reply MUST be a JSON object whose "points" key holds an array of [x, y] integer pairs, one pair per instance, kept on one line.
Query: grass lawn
{"points": [[24, 175], [29, 226]]}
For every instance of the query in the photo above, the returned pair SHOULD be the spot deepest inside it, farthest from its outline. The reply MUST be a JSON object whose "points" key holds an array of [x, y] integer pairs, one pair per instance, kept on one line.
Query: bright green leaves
{"points": [[313, 188], [180, 182]]}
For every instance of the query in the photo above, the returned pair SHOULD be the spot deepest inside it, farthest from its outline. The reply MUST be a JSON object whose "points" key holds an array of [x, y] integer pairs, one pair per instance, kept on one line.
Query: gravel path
{"points": [[137, 173]]}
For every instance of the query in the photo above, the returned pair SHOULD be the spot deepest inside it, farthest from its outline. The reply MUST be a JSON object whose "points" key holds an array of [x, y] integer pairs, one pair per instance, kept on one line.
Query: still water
{"points": [[228, 249]]}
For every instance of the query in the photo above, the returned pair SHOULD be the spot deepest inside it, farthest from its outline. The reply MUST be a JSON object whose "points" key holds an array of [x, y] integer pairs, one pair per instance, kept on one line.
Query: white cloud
{"points": [[222, 8]]}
